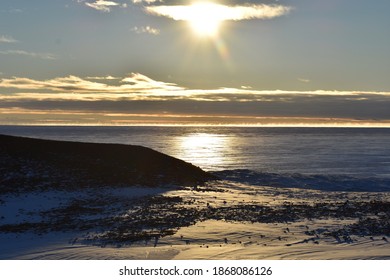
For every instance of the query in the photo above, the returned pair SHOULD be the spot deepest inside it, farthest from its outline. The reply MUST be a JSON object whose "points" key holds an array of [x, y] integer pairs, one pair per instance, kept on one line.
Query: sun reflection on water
{"points": [[204, 149]]}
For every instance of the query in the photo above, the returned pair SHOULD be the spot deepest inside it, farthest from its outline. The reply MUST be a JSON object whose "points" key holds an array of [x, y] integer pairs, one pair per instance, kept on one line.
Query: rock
{"points": [[79, 164]]}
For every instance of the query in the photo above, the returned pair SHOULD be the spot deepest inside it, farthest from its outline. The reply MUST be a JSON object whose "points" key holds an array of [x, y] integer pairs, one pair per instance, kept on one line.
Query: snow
{"points": [[206, 239]]}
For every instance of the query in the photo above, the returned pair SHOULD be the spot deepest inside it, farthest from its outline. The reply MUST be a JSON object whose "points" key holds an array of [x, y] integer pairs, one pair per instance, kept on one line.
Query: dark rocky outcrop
{"points": [[36, 163]]}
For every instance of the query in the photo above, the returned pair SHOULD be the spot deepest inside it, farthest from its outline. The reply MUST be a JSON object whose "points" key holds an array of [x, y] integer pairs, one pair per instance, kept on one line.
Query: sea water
{"points": [[353, 152]]}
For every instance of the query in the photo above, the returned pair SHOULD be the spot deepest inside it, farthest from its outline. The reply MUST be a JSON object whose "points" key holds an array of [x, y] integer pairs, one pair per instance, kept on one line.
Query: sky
{"points": [[126, 62]]}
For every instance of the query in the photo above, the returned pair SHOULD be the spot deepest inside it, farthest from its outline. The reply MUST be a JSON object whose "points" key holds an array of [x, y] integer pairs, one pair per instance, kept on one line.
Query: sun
{"points": [[207, 28], [204, 18]]}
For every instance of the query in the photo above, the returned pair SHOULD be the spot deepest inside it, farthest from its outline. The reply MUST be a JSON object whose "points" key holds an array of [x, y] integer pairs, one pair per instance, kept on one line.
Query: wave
{"points": [[303, 181]]}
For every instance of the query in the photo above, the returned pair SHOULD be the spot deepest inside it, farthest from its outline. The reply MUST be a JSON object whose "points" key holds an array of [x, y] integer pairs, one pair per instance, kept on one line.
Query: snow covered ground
{"points": [[222, 220]]}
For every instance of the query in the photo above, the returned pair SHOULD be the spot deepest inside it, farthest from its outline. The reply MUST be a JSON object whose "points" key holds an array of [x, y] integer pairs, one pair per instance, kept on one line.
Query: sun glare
{"points": [[204, 149], [204, 18]]}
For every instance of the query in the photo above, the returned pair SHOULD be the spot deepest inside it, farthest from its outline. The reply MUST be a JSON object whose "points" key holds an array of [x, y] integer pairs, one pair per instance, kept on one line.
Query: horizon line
{"points": [[319, 125]]}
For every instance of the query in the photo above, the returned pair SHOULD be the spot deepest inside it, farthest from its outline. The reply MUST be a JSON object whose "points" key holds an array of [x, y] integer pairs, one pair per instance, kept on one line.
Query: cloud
{"points": [[141, 95], [48, 56], [7, 39], [146, 29], [12, 11], [135, 84], [109, 77], [146, 1], [219, 12], [304, 80], [139, 82], [103, 5]]}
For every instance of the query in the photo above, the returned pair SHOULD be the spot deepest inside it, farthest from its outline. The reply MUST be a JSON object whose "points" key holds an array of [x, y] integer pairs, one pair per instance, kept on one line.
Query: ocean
{"points": [[250, 152]]}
